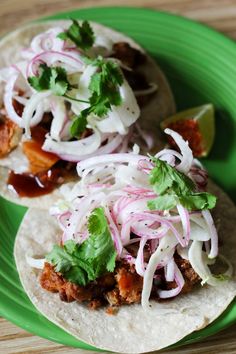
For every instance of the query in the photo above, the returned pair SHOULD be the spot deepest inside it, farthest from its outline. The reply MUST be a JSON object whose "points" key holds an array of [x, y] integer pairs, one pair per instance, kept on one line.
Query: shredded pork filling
{"points": [[122, 287]]}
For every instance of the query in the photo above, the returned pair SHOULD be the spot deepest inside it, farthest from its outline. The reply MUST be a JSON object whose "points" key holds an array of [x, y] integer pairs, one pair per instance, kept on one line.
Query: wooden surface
{"points": [[219, 14]]}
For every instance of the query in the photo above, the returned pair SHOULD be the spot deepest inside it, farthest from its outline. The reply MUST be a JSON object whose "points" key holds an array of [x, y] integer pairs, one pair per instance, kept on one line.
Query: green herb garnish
{"points": [[104, 88], [81, 35], [174, 187], [82, 263], [54, 79]]}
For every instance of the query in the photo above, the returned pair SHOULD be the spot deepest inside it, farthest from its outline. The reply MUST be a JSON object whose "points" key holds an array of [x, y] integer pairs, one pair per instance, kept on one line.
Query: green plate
{"points": [[201, 67]]}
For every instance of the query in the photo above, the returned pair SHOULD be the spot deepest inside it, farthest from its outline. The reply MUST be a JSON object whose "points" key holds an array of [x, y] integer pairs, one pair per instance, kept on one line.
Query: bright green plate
{"points": [[201, 67]]}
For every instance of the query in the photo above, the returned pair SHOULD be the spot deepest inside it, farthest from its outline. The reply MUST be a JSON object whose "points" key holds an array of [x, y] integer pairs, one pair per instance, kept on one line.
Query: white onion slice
{"points": [[165, 247], [47, 41], [106, 159], [33, 111], [200, 267], [212, 230], [8, 100], [153, 88], [59, 118], [37, 263], [77, 148], [139, 262], [170, 270], [51, 57], [178, 277], [187, 155]]}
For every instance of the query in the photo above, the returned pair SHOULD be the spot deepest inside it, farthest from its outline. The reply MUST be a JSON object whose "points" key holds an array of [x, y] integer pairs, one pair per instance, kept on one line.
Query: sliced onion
{"points": [[34, 110], [187, 155], [161, 220], [106, 159], [114, 232], [59, 118], [8, 100], [82, 208], [182, 252], [212, 230], [37, 263], [104, 41], [51, 57], [112, 124], [77, 148], [47, 41], [63, 219], [146, 136], [139, 262], [199, 265], [165, 247], [153, 87], [178, 277], [184, 215], [165, 155]]}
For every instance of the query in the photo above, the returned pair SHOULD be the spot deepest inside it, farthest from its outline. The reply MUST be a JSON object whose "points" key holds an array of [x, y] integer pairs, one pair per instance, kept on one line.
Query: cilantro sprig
{"points": [[54, 79], [82, 263], [174, 187], [104, 89], [81, 35]]}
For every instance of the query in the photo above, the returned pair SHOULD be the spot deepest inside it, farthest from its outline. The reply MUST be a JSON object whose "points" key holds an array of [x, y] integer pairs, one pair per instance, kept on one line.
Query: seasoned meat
{"points": [[128, 288], [50, 280], [136, 80], [92, 293], [129, 56], [190, 276], [10, 135], [133, 59], [122, 287], [39, 159], [18, 106]]}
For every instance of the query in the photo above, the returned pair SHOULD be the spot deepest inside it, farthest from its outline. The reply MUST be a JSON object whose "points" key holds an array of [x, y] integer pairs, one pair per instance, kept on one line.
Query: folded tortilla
{"points": [[160, 106], [132, 329]]}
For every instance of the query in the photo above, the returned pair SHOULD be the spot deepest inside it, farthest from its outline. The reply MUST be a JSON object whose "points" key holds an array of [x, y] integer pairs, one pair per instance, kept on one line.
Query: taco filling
{"points": [[134, 228], [72, 95]]}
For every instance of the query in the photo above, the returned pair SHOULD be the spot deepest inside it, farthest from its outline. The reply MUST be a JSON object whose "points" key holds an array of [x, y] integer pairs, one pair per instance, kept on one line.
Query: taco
{"points": [[68, 92], [132, 262]]}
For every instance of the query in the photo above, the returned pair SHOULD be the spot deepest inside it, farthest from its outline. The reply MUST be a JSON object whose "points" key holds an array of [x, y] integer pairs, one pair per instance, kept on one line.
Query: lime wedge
{"points": [[197, 125]]}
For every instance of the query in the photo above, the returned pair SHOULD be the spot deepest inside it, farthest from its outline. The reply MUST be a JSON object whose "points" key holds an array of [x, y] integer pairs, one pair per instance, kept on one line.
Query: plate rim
{"points": [[219, 37]]}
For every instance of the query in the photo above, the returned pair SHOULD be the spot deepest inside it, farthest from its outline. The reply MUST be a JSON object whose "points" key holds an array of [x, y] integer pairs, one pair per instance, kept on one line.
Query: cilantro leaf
{"points": [[54, 79], [198, 201], [61, 257], [104, 88], [163, 202], [50, 78], [82, 263], [174, 187], [59, 83], [105, 83], [41, 82], [79, 124], [99, 244], [81, 35]]}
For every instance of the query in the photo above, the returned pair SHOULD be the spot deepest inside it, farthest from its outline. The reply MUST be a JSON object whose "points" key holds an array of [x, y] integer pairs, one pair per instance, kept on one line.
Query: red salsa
{"points": [[189, 130], [26, 185]]}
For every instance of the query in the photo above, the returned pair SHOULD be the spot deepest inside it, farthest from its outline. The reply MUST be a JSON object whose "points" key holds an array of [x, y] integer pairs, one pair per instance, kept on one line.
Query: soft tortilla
{"points": [[132, 330], [161, 105]]}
